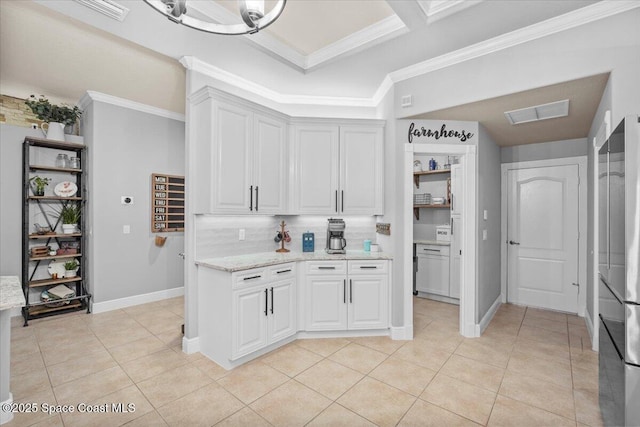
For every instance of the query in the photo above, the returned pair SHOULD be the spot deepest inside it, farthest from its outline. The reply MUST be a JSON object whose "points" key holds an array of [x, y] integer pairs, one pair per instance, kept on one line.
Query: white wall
{"points": [[607, 45], [124, 148], [11, 138], [545, 150], [489, 188]]}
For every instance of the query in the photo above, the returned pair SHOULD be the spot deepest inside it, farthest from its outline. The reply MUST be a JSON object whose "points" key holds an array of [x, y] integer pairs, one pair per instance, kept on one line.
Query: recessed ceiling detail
{"points": [[107, 7], [550, 110], [302, 36], [438, 9]]}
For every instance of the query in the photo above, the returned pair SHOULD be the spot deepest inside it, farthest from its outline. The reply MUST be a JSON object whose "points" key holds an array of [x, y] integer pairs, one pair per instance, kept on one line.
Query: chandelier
{"points": [[251, 12]]}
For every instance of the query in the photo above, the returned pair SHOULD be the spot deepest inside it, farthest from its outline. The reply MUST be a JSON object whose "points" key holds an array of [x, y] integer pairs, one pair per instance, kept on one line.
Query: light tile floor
{"points": [[530, 367]]}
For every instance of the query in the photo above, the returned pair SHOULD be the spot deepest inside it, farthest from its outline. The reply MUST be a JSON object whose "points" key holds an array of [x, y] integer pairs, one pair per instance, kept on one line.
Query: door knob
{"points": [[511, 242]]}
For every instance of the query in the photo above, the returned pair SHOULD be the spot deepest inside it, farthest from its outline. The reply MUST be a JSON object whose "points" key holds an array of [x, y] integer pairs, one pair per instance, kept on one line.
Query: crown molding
{"points": [[372, 35], [438, 9], [92, 96], [379, 32], [194, 64], [107, 7], [600, 10], [585, 15]]}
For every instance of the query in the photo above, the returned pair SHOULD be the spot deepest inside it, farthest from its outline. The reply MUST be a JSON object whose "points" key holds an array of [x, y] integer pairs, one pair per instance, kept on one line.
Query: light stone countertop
{"points": [[264, 259], [11, 294], [431, 242]]}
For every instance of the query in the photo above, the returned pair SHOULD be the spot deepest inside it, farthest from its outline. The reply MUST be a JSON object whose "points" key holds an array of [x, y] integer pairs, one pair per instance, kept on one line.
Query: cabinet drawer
{"points": [[282, 271], [434, 250], [326, 267], [368, 267], [246, 278]]}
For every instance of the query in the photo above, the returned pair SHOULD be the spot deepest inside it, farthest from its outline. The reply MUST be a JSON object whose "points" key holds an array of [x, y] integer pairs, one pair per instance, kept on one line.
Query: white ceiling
{"points": [[340, 51]]}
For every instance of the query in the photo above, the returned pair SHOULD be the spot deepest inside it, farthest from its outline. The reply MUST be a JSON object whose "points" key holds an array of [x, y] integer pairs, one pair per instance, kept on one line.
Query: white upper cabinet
{"points": [[240, 155], [269, 165], [361, 170], [338, 169], [316, 174], [232, 158]]}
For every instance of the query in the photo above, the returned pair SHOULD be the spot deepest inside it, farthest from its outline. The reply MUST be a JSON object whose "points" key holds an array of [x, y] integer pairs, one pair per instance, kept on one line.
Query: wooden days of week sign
{"points": [[167, 203]]}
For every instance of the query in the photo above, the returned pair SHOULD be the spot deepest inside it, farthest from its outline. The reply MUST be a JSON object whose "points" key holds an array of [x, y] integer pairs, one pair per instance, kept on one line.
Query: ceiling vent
{"points": [[107, 7], [538, 112]]}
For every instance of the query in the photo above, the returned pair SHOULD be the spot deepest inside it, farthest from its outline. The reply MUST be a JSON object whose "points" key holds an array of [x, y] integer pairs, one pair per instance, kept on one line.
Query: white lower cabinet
{"points": [[263, 315], [358, 298], [244, 312], [433, 269]]}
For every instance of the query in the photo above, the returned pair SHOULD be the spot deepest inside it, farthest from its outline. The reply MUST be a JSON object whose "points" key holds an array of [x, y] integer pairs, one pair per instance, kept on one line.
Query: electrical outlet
{"points": [[126, 229], [241, 234]]}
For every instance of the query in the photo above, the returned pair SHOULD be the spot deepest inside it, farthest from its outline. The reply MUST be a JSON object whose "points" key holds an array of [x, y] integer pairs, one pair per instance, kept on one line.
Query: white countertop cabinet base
{"points": [[358, 299]]}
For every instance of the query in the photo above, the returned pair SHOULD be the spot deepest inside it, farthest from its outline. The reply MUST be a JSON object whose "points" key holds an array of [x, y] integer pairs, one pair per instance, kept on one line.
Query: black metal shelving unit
{"points": [[31, 264]]}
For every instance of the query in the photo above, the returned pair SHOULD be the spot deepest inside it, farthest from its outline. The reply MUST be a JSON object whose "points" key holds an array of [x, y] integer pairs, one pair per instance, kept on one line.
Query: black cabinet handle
{"points": [[432, 250], [368, 266], [342, 201], [271, 300], [252, 277], [350, 291], [266, 301], [251, 198], [326, 268], [283, 271], [336, 200], [256, 198], [344, 291]]}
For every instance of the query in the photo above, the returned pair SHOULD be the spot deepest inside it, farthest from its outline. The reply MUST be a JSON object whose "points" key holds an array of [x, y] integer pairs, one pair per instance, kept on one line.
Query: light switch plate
{"points": [[126, 229], [485, 214], [241, 234], [484, 234]]}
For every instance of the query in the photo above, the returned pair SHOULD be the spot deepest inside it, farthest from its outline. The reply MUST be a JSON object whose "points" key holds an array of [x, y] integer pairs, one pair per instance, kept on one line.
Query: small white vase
{"points": [[54, 130], [69, 228], [69, 273]]}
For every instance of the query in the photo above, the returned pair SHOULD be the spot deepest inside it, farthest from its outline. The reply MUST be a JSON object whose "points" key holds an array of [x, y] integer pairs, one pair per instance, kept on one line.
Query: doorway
{"points": [[544, 234], [467, 159]]}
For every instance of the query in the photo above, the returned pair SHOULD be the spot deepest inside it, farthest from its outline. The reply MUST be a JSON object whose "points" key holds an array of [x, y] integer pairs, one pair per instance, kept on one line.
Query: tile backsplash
{"points": [[217, 236]]}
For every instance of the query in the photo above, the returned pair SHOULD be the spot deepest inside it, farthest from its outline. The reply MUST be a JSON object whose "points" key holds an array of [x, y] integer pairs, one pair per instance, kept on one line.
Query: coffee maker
{"points": [[335, 236]]}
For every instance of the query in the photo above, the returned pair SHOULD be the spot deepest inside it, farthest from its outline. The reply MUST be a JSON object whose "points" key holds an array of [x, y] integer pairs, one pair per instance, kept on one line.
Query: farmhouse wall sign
{"points": [[438, 133]]}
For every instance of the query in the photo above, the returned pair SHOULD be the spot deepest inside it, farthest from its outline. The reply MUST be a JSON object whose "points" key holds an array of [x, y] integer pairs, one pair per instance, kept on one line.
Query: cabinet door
{"points": [[368, 302], [456, 189], [231, 158], [270, 165], [316, 169], [455, 257], [433, 275], [249, 321], [361, 170], [326, 307], [282, 311]]}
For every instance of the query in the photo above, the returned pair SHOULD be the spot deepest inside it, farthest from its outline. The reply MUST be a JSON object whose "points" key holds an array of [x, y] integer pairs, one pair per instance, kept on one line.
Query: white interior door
{"points": [[542, 235]]}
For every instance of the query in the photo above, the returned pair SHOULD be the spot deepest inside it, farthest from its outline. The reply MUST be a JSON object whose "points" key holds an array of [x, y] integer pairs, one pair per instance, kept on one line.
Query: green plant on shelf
{"points": [[39, 183], [51, 113], [70, 214], [71, 265]]}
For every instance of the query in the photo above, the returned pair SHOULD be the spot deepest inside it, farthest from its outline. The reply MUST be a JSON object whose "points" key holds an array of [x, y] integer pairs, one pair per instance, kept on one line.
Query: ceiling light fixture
{"points": [[538, 112], [251, 12]]}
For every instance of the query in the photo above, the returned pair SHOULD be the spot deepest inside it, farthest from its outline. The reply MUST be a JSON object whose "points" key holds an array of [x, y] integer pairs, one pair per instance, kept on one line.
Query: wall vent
{"points": [[538, 112]]}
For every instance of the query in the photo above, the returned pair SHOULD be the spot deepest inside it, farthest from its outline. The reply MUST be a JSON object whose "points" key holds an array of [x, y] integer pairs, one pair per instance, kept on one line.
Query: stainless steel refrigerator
{"points": [[619, 284]]}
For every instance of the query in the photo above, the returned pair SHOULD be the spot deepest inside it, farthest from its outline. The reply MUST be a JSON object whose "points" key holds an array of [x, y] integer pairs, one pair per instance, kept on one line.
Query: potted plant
{"points": [[38, 184], [70, 216], [70, 268], [55, 116]]}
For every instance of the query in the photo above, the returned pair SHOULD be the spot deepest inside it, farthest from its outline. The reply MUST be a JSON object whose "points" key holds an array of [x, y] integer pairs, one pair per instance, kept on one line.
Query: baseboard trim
{"points": [[486, 319], [6, 416], [591, 329], [191, 345], [402, 332], [101, 307]]}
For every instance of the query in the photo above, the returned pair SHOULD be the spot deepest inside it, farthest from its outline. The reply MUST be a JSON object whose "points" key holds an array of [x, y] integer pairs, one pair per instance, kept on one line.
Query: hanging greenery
{"points": [[51, 113]]}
